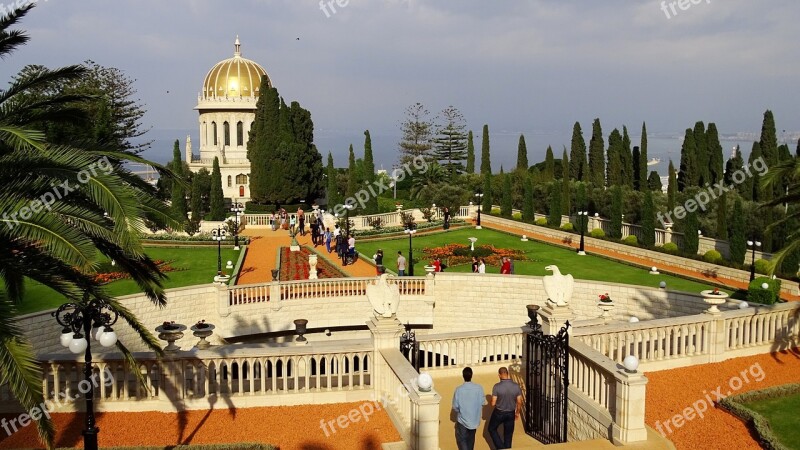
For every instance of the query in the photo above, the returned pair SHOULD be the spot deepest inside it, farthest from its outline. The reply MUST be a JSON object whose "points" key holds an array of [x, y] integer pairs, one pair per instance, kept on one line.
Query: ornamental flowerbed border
{"points": [[735, 404], [456, 254], [294, 266], [110, 276]]}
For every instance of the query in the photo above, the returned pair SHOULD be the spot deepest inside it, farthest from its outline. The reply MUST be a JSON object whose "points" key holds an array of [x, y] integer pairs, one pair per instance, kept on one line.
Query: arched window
{"points": [[214, 133], [230, 181], [239, 133], [226, 133], [241, 179]]}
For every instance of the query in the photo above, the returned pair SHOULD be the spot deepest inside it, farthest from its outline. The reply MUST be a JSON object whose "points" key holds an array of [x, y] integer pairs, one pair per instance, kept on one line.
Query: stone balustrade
{"points": [[471, 348]]}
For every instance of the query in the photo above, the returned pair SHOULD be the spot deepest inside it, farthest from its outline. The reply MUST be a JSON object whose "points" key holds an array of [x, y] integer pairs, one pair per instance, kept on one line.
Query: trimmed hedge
{"points": [[762, 266], [542, 222], [631, 240], [713, 257], [598, 233], [735, 404], [757, 294], [566, 227], [395, 230], [670, 247]]}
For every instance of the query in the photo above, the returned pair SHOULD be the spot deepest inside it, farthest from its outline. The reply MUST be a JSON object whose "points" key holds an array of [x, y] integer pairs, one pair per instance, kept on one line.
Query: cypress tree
{"points": [[261, 143], [642, 168], [178, 194], [738, 240], [217, 205], [798, 148], [197, 200], [565, 186], [639, 183], [734, 164], [581, 204], [654, 182], [554, 215], [672, 187], [487, 193], [522, 153], [616, 212], [505, 205], [577, 156], [625, 159], [597, 159], [352, 175], [470, 153], [701, 152], [769, 150], [332, 189], [549, 165], [688, 174], [648, 220], [752, 183], [716, 159], [722, 217], [371, 207], [528, 212], [691, 241], [614, 176], [486, 163]]}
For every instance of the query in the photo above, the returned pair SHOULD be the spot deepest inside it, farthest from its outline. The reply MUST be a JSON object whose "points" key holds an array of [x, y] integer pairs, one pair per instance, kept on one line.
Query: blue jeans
{"points": [[465, 438], [401, 272], [506, 419]]}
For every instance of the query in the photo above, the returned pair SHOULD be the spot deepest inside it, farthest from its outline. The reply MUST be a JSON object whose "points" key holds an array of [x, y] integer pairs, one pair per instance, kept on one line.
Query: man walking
{"points": [[468, 401], [401, 264], [507, 403]]}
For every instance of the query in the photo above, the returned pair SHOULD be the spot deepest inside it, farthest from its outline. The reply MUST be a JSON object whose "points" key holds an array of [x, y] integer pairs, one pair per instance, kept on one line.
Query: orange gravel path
{"points": [[289, 427], [671, 392], [634, 260]]}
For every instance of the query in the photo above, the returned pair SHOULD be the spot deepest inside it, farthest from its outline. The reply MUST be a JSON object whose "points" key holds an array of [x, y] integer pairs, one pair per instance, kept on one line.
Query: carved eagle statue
{"points": [[384, 297], [558, 287]]}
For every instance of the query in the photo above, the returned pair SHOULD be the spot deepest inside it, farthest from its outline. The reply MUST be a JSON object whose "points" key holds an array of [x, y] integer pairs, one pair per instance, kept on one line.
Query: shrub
{"points": [[495, 211], [712, 256], [757, 294], [480, 251], [670, 247], [541, 221], [375, 222], [597, 233], [762, 266], [567, 227], [516, 216], [631, 240]]}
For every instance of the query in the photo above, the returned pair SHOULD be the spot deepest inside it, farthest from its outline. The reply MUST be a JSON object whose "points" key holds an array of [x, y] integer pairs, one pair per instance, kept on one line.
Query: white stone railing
{"points": [[473, 348], [248, 293], [592, 374], [390, 219], [777, 327], [320, 288]]}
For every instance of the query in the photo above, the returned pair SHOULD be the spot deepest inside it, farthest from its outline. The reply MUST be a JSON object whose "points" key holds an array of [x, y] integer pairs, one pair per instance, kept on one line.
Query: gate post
{"points": [[553, 317], [628, 423]]}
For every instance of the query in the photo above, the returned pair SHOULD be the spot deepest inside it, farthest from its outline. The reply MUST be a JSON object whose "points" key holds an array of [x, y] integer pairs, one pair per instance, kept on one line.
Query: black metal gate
{"points": [[409, 347], [547, 357]]}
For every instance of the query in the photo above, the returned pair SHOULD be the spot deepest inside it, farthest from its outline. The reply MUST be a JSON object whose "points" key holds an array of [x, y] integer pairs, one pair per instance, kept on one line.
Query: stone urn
{"points": [[222, 279], [170, 332], [606, 307], [312, 266], [202, 330], [301, 329], [714, 298], [275, 274], [429, 270]]}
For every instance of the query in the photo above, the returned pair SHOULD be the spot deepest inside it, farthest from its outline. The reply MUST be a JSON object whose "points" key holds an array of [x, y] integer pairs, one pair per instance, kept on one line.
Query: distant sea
{"points": [[503, 146]]}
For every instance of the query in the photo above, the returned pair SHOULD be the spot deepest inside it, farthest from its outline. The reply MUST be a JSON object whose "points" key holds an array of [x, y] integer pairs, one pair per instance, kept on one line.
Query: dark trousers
{"points": [[465, 438], [506, 419]]}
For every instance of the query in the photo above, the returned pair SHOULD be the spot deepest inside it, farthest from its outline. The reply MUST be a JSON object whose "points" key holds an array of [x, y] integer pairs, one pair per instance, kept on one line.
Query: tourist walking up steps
{"points": [[468, 401], [507, 403], [401, 264], [301, 219], [328, 236]]}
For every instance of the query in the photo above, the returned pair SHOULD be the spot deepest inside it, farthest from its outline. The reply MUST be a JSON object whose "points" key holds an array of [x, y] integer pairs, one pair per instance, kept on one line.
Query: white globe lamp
{"points": [[78, 344], [631, 363], [425, 382]]}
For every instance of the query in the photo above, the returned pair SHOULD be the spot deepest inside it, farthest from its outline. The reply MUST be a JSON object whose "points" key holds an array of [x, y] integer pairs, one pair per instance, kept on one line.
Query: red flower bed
{"points": [[294, 266], [108, 277], [456, 254]]}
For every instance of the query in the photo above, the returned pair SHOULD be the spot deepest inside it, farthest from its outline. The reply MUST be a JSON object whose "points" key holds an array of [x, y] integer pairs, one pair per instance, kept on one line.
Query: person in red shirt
{"points": [[437, 264], [505, 268]]}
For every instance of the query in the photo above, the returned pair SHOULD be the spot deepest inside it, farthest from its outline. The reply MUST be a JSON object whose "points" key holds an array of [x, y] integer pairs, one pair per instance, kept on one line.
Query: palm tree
{"points": [[787, 171], [423, 182], [62, 210]]}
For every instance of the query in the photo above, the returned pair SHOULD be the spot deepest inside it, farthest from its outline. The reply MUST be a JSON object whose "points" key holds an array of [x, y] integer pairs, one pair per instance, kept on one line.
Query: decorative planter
{"points": [[300, 329], [202, 331], [606, 307], [275, 274], [472, 243], [533, 312], [714, 300], [429, 270], [312, 267], [222, 279], [171, 333]]}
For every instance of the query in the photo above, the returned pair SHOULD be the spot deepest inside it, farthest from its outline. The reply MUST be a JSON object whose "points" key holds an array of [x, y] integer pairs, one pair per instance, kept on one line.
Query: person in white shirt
{"points": [[482, 266]]}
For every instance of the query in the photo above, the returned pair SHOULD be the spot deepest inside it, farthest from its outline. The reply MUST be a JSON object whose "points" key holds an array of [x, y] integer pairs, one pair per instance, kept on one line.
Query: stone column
{"points": [[716, 352], [553, 317], [667, 232], [275, 295], [223, 302], [628, 423], [386, 332], [426, 432]]}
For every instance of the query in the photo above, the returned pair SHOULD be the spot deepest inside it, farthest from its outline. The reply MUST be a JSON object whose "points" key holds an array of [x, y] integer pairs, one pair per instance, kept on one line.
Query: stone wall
{"points": [[585, 419]]}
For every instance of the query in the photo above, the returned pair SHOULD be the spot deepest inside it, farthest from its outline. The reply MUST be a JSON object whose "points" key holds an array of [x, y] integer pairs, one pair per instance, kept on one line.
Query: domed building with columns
{"points": [[227, 106]]}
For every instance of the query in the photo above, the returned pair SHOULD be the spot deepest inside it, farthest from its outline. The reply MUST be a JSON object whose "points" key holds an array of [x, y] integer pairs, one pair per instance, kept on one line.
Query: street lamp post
{"points": [[479, 196], [81, 321], [236, 209], [583, 217], [218, 235], [348, 208], [753, 244], [410, 231]]}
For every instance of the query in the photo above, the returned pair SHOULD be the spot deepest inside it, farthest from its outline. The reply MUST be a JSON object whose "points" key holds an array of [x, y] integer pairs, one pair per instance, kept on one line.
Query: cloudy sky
{"points": [[520, 66]]}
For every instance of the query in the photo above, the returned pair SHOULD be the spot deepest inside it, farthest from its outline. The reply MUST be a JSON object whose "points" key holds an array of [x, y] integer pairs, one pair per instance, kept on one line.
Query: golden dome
{"points": [[234, 77]]}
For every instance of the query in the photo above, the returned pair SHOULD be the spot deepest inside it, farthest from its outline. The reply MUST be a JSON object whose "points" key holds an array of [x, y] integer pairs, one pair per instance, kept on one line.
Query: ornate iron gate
{"points": [[547, 357], [409, 347]]}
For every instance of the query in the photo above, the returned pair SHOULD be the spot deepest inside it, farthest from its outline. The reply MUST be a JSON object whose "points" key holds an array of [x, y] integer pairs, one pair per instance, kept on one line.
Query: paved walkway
{"points": [[690, 273]]}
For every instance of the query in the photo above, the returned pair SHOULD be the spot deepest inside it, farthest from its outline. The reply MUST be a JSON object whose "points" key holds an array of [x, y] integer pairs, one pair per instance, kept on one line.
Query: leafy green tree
{"points": [[217, 200], [654, 182], [555, 211], [417, 134], [689, 172], [597, 160], [716, 160], [615, 230], [470, 153], [577, 156], [506, 206], [642, 167], [522, 154], [178, 186], [738, 240], [672, 187], [334, 198], [701, 154], [202, 178], [371, 207], [614, 173], [549, 165], [691, 240], [648, 220], [486, 162], [451, 142], [565, 186], [528, 208], [722, 217]]}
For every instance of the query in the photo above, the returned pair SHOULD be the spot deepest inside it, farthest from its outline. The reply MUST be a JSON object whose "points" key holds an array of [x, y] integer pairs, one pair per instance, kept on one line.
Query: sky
{"points": [[532, 66]]}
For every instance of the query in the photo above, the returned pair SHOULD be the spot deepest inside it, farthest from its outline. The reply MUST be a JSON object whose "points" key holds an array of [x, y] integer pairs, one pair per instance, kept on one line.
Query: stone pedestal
{"points": [[554, 317], [386, 332], [312, 264], [628, 423]]}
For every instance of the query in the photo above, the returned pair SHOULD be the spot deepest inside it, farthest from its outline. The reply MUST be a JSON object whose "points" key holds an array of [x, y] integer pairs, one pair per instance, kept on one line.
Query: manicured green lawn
{"points": [[783, 418], [540, 256], [200, 264]]}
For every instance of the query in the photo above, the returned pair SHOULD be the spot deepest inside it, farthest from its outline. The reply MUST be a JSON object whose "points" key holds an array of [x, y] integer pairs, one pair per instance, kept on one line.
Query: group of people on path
{"points": [[468, 403], [506, 265]]}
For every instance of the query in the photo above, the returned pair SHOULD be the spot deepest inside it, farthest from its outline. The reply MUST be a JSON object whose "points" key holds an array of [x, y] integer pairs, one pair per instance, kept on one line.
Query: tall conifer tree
{"points": [[691, 240], [716, 160], [371, 207], [217, 199], [639, 184], [597, 158], [672, 187], [625, 159], [506, 202], [722, 217], [566, 193], [352, 174], [178, 187], [616, 212], [486, 162], [470, 153], [614, 175], [689, 173], [701, 152], [648, 220], [528, 208], [332, 189], [554, 215], [522, 154], [738, 240], [577, 156], [643, 159]]}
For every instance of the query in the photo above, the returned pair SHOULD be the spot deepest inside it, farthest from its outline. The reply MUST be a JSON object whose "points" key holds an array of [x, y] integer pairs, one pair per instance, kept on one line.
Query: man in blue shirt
{"points": [[468, 401]]}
